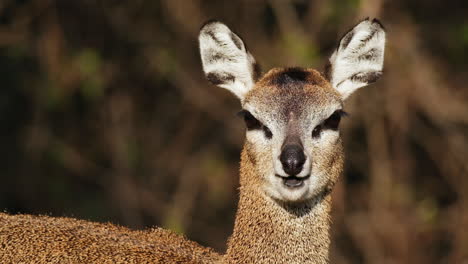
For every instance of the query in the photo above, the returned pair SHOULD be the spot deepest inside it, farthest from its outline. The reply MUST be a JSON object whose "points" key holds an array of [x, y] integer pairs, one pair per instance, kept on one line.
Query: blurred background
{"points": [[105, 115]]}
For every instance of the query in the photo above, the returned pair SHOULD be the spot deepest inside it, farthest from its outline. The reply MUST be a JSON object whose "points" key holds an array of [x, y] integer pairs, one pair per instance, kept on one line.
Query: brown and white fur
{"points": [[293, 153], [291, 159]]}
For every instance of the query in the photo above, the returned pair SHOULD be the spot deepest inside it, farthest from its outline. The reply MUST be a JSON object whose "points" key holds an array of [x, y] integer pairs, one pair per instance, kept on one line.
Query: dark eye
{"points": [[267, 132], [330, 123], [334, 120], [316, 131], [252, 123]]}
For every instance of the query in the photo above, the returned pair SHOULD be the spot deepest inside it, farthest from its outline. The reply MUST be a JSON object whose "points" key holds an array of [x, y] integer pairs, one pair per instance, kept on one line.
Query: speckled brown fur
{"points": [[43, 239], [272, 91]]}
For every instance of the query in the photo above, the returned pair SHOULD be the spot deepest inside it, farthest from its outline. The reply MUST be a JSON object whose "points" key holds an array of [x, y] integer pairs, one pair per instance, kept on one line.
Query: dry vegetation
{"points": [[106, 116]]}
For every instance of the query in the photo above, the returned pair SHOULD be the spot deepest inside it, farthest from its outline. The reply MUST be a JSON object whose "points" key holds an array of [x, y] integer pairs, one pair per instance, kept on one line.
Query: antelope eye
{"points": [[316, 131], [332, 123], [267, 132], [334, 120], [250, 121]]}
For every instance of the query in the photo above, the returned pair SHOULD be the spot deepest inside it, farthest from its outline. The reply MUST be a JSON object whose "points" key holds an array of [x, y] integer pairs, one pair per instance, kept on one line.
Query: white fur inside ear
{"points": [[226, 62], [359, 58]]}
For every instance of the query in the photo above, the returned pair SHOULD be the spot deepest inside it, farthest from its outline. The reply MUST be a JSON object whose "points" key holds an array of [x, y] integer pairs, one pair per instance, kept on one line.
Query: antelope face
{"points": [[292, 118], [292, 115]]}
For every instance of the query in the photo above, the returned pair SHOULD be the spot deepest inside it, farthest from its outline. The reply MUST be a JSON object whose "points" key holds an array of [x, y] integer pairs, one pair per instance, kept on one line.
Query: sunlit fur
{"points": [[57, 240]]}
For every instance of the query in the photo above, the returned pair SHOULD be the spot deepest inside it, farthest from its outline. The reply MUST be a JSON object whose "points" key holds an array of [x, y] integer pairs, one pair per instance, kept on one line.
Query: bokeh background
{"points": [[105, 115]]}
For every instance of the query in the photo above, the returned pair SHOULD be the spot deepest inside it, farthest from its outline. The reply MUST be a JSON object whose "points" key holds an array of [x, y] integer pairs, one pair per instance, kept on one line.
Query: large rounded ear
{"points": [[358, 59], [226, 61]]}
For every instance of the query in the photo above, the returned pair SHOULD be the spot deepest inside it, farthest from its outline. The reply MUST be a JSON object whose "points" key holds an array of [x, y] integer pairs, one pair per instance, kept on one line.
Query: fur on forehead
{"points": [[285, 77], [291, 90]]}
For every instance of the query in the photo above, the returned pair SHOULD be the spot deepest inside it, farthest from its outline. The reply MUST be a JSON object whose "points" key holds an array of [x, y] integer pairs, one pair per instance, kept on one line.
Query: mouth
{"points": [[293, 182]]}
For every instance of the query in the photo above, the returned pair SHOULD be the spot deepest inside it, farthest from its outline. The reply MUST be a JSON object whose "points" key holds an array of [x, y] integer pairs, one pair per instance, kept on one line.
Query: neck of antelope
{"points": [[267, 231]]}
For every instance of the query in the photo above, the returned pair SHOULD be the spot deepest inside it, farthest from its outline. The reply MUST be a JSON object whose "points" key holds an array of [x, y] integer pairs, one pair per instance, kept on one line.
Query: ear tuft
{"points": [[375, 20], [209, 21], [226, 61], [358, 59]]}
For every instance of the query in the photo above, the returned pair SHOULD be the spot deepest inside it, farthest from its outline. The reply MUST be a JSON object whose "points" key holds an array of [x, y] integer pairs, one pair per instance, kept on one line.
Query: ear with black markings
{"points": [[226, 61], [358, 59]]}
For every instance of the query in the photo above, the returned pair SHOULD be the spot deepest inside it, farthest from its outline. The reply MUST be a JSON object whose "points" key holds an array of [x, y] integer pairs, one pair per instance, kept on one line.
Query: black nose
{"points": [[292, 157]]}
